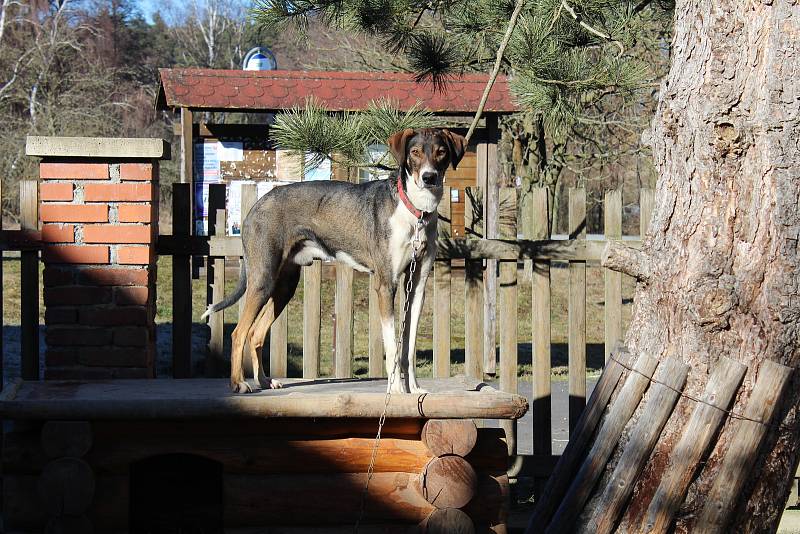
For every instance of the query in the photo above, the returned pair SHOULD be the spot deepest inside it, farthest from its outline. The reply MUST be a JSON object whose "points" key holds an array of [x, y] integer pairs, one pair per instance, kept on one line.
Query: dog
{"points": [[368, 226]]}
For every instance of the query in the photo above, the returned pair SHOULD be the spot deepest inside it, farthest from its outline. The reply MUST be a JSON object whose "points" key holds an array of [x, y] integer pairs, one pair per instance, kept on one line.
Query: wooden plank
{"points": [[701, 428], [376, 367], [540, 298], [612, 310], [181, 285], [647, 202], [29, 282], [215, 282], [249, 196], [491, 207], [669, 380], [343, 307], [473, 300], [312, 283], [278, 345], [441, 295], [746, 441], [606, 440], [576, 307], [507, 319]]}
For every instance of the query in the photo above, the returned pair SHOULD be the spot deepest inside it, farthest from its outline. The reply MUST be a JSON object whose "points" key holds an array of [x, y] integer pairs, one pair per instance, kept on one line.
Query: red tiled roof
{"points": [[337, 91]]}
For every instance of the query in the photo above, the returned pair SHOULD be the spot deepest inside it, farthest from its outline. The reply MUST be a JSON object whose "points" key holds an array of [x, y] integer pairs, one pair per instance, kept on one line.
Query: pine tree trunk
{"points": [[722, 252]]}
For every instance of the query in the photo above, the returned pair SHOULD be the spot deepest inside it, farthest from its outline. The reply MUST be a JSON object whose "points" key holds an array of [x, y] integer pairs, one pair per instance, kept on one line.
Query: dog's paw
{"points": [[398, 387], [416, 389], [241, 387], [269, 383]]}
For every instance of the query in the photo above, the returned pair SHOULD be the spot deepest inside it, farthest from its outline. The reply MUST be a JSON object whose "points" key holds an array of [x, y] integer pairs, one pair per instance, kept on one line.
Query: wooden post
{"points": [[181, 285], [612, 212], [604, 444], [508, 312], [215, 281], [647, 201], [278, 345], [491, 203], [344, 321], [577, 310], [747, 438], [312, 281], [542, 441], [473, 300], [376, 366], [669, 380], [703, 424], [29, 282], [441, 296]]}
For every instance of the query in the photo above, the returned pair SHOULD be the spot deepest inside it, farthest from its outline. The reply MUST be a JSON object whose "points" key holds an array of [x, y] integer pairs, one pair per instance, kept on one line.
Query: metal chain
{"points": [[412, 267]]}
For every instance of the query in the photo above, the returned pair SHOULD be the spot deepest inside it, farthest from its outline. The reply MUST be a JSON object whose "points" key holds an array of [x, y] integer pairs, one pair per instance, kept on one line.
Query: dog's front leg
{"points": [[386, 293], [417, 297]]}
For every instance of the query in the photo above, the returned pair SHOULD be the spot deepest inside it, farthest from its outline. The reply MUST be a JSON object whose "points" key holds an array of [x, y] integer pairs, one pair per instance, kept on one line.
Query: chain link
{"points": [[412, 267]]}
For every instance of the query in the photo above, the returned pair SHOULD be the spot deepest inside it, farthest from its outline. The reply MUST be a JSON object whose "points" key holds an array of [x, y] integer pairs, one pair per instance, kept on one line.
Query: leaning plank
{"points": [[312, 283], [703, 424], [658, 405], [604, 444], [748, 435], [29, 282], [575, 451]]}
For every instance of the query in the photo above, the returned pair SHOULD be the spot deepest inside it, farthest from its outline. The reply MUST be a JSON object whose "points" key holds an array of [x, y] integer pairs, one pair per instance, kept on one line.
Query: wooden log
{"points": [[376, 367], [448, 482], [343, 304], [576, 307], [181, 277], [29, 282], [66, 486], [441, 295], [492, 501], [66, 438], [703, 424], [669, 380], [541, 405], [447, 521], [612, 213], [312, 283], [748, 436], [215, 284], [605, 442], [473, 301], [508, 314], [449, 436]]}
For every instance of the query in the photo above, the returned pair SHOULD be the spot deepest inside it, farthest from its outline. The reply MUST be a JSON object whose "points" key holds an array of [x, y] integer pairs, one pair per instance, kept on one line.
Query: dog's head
{"points": [[427, 153]]}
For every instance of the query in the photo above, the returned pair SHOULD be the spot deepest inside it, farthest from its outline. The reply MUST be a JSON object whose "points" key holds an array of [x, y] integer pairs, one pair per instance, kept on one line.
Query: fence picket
{"points": [[344, 321], [473, 299], [181, 284], [375, 332], [577, 310], [441, 296], [647, 201], [540, 288], [312, 282], [612, 211], [278, 342], [508, 313], [29, 282], [215, 281]]}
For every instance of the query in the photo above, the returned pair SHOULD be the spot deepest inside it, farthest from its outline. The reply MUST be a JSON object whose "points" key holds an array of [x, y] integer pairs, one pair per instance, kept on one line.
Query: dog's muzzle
{"points": [[430, 178]]}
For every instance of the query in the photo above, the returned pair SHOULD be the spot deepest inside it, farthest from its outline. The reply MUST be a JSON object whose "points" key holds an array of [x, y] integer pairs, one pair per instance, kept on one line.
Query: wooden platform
{"points": [[453, 398]]}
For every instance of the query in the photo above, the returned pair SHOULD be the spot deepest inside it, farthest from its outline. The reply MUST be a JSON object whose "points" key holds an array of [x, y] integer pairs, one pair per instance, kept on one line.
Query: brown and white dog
{"points": [[368, 226]]}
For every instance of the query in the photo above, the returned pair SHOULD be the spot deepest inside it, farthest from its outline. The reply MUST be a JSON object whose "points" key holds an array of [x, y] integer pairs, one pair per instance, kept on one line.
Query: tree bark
{"points": [[722, 252]]}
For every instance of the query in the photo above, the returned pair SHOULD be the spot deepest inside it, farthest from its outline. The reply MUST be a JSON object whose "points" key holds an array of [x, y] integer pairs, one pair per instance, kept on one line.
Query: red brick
{"points": [[117, 192], [133, 255], [55, 233], [57, 277], [76, 296], [56, 191], [114, 277], [78, 171], [131, 336], [111, 233], [131, 296], [142, 213], [136, 171], [75, 254], [73, 213], [113, 357], [133, 315], [77, 335], [60, 315], [60, 357]]}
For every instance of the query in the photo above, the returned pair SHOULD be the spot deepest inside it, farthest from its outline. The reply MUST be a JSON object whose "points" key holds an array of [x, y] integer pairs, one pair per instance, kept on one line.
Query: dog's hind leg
{"points": [[255, 299]]}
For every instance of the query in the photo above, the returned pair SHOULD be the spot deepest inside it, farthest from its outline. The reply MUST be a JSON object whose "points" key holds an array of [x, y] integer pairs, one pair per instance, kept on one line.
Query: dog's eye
{"points": [[441, 152], [415, 151]]}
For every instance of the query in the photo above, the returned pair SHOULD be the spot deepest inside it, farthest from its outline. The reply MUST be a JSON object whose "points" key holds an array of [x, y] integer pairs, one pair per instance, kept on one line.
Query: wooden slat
{"points": [[507, 319], [647, 202], [441, 295], [278, 345], [312, 281], [181, 285], [215, 282], [540, 298], [473, 302], [605, 442], [491, 205], [526, 226], [2, 366], [577, 310], [29, 282], [575, 451], [696, 437], [746, 441], [344, 321], [612, 212], [249, 196], [669, 380], [376, 367]]}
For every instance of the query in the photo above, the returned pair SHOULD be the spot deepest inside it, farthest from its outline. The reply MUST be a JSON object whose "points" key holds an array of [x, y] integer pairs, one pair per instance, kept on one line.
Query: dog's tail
{"points": [[231, 299]]}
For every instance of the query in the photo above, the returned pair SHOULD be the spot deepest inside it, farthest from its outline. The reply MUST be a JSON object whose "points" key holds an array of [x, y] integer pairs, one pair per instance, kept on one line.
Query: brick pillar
{"points": [[99, 221]]}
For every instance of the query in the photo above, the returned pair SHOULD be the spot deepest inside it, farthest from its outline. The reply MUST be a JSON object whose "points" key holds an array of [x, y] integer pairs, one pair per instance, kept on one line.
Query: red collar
{"points": [[404, 197]]}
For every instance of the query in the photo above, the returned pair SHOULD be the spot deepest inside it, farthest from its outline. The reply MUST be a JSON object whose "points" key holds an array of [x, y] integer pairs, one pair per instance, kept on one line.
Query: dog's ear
{"points": [[397, 145], [457, 145]]}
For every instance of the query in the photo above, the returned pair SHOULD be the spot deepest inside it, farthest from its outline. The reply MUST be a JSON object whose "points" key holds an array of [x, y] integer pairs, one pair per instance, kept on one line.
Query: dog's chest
{"points": [[401, 235]]}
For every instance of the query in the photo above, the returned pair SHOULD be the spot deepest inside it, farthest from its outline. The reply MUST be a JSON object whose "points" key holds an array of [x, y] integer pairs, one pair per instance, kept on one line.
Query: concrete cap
{"points": [[97, 147]]}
